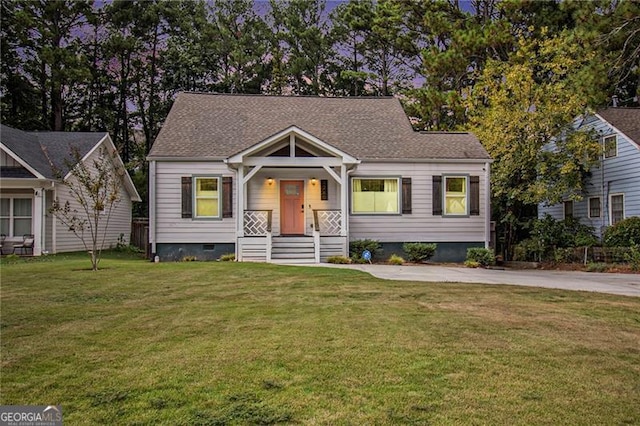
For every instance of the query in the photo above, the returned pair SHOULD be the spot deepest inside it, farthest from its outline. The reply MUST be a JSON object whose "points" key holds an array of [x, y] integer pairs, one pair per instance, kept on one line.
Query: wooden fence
{"points": [[140, 235]]}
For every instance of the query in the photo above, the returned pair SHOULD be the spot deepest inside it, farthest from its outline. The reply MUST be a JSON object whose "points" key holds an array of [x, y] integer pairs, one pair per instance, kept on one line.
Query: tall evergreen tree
{"points": [[244, 41], [302, 29], [49, 35]]}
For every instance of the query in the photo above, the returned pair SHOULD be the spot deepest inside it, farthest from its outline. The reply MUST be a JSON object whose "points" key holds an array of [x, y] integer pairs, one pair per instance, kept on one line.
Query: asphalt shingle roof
{"points": [[627, 120], [220, 125], [48, 151]]}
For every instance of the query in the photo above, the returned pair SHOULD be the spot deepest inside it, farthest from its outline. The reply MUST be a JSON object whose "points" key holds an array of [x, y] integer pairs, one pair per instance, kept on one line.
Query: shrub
{"points": [[597, 267], [471, 264], [338, 260], [358, 246], [633, 257], [189, 259], [483, 256], [229, 257], [548, 234], [417, 252], [625, 233], [395, 260]]}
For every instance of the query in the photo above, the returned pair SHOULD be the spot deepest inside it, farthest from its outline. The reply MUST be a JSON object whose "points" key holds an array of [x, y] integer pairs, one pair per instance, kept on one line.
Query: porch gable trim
{"points": [[240, 158]]}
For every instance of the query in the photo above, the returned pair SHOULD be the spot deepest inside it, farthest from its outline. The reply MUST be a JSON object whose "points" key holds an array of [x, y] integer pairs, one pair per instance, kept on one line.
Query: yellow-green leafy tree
{"points": [[524, 112]]}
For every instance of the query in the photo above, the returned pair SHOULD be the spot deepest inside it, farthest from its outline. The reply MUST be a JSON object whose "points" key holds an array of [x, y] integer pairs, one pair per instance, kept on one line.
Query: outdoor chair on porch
{"points": [[2, 238], [26, 245]]}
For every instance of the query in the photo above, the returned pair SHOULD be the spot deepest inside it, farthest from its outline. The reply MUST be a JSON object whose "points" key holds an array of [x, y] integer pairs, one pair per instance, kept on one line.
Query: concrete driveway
{"points": [[622, 284]]}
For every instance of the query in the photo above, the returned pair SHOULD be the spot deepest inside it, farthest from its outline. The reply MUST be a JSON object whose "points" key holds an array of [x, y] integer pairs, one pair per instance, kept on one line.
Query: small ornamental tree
{"points": [[95, 191]]}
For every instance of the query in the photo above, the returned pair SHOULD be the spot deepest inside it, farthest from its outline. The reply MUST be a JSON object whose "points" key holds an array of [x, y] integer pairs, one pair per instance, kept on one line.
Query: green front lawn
{"points": [[229, 343]]}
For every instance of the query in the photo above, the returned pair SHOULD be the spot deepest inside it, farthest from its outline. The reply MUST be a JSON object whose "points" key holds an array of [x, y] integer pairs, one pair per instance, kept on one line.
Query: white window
{"points": [[610, 146], [595, 207], [375, 196], [455, 195], [568, 209], [207, 197], [616, 203], [15, 216]]}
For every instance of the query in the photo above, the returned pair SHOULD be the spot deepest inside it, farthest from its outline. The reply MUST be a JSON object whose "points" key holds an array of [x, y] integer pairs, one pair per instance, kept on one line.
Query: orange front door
{"points": [[292, 207]]}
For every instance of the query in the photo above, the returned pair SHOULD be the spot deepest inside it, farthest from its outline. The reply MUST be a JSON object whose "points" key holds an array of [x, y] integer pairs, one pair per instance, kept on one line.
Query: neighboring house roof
{"points": [[48, 152], [625, 120], [217, 126]]}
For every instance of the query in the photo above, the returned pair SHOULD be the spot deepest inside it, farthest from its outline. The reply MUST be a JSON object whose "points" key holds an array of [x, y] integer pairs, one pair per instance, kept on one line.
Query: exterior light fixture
{"points": [[270, 180], [313, 181]]}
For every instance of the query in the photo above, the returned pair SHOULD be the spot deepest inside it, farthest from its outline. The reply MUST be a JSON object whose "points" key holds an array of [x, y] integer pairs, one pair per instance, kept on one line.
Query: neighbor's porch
{"points": [[24, 211]]}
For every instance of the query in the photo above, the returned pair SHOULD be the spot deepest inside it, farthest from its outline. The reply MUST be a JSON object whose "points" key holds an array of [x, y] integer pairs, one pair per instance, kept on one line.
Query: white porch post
{"points": [[241, 194], [344, 200], [38, 220]]}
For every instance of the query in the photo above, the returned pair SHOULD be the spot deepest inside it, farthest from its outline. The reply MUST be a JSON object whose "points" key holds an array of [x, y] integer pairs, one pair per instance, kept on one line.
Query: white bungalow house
{"points": [[31, 163], [612, 189], [288, 178]]}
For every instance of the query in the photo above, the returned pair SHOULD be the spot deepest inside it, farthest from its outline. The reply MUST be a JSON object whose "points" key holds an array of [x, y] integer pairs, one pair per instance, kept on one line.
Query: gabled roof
{"points": [[48, 155], [218, 126], [625, 120], [45, 152]]}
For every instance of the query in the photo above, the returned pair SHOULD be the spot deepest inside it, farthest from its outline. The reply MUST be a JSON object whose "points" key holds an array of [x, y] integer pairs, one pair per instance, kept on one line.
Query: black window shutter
{"points": [[406, 195], [227, 196], [474, 188], [437, 195], [187, 200]]}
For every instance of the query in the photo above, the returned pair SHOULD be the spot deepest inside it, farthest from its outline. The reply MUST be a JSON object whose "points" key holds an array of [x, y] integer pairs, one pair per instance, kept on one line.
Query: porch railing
{"points": [[327, 222], [257, 223]]}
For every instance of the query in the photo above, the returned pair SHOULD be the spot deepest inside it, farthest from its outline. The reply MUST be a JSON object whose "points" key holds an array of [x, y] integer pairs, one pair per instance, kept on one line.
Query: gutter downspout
{"points": [[487, 205], [152, 208]]}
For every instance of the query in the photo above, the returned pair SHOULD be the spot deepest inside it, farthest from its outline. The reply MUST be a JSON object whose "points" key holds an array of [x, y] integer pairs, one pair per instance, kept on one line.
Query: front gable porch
{"points": [[292, 185]]}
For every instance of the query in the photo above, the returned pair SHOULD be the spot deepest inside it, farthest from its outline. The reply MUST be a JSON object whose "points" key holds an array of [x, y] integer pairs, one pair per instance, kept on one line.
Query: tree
{"points": [[50, 39], [375, 47], [244, 40], [302, 30], [519, 107], [19, 105], [451, 46], [95, 192]]}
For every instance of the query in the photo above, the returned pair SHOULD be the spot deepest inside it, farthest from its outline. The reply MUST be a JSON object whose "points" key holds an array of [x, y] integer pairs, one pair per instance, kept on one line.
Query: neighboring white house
{"points": [[612, 190], [30, 162], [296, 178]]}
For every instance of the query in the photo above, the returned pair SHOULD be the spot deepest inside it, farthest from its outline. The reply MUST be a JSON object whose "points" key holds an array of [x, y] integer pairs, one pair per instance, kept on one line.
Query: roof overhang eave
{"points": [[428, 160], [184, 159]]}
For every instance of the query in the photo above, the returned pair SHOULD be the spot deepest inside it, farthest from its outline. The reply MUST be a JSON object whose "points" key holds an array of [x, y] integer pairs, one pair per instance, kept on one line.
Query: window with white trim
{"points": [[595, 207], [375, 196], [610, 146], [455, 195], [617, 208], [207, 197], [15, 216]]}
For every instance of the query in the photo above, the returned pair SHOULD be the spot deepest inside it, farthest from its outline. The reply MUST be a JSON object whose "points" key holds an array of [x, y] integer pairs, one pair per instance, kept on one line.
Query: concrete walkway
{"points": [[621, 284]]}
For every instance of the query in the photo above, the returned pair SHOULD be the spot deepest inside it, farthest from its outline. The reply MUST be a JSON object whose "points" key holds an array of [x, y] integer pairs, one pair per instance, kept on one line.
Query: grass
{"points": [[228, 343]]}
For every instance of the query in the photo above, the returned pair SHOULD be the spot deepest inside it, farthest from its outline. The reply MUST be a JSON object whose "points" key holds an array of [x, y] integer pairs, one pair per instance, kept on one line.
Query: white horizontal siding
{"points": [[421, 225], [170, 226], [119, 219]]}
